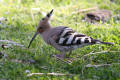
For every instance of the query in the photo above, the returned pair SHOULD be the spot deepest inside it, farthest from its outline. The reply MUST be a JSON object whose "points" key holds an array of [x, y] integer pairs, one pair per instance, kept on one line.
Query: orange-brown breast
{"points": [[40, 30]]}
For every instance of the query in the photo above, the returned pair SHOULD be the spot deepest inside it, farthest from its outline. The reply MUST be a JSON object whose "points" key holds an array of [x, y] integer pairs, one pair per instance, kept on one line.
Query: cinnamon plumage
{"points": [[63, 38]]}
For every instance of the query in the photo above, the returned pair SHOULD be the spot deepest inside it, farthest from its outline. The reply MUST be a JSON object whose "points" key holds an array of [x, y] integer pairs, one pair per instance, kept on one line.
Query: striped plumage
{"points": [[68, 37], [63, 38]]}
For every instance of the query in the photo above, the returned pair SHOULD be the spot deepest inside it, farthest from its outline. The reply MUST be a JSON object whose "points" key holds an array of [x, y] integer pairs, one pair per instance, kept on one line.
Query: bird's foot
{"points": [[61, 56], [70, 60]]}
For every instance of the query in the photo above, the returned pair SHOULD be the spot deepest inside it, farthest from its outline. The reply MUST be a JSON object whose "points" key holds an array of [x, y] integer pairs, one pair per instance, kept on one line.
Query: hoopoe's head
{"points": [[42, 26], [44, 23]]}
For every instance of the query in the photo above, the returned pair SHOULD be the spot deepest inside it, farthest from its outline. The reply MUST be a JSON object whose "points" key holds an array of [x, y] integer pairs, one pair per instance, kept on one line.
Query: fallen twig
{"points": [[100, 65], [49, 74], [99, 53], [84, 10], [11, 42], [30, 61]]}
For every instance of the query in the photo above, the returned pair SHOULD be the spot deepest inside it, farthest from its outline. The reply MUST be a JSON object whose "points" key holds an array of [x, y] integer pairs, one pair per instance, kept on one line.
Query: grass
{"points": [[20, 28]]}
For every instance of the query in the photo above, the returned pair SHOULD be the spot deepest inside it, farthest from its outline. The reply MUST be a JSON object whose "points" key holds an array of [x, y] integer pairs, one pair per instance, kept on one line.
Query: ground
{"points": [[22, 18]]}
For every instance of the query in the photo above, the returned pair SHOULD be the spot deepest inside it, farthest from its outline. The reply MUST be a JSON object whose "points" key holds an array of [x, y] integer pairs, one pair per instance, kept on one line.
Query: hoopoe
{"points": [[63, 38]]}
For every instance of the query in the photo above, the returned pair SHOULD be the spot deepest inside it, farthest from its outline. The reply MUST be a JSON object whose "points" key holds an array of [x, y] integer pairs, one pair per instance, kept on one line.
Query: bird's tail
{"points": [[101, 42], [107, 43]]}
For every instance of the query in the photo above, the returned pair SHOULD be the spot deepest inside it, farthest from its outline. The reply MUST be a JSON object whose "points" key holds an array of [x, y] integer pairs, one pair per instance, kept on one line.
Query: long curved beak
{"points": [[33, 38]]}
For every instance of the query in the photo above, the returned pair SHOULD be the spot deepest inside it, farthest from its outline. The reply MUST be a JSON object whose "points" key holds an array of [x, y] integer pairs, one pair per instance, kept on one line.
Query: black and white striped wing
{"points": [[68, 37]]}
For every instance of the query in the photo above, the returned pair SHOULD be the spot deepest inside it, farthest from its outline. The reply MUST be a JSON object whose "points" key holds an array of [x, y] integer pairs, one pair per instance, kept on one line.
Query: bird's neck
{"points": [[45, 34], [48, 29]]}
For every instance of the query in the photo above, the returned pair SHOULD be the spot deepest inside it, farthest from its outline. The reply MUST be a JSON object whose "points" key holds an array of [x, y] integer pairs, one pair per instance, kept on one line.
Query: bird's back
{"points": [[69, 37], [65, 38]]}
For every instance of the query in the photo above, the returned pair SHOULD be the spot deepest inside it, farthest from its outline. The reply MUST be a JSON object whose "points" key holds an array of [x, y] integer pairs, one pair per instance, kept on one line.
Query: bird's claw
{"points": [[61, 58]]}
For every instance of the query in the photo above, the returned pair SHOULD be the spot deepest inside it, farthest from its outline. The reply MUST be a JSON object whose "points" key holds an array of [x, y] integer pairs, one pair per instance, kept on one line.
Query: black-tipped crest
{"points": [[49, 14]]}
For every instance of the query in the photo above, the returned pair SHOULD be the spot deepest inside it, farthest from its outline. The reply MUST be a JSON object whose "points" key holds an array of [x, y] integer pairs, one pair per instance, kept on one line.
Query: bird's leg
{"points": [[62, 55], [70, 60], [69, 54]]}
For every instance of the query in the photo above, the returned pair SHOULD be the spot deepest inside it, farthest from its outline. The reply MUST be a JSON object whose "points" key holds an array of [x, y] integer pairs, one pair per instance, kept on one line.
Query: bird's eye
{"points": [[43, 18], [40, 27]]}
